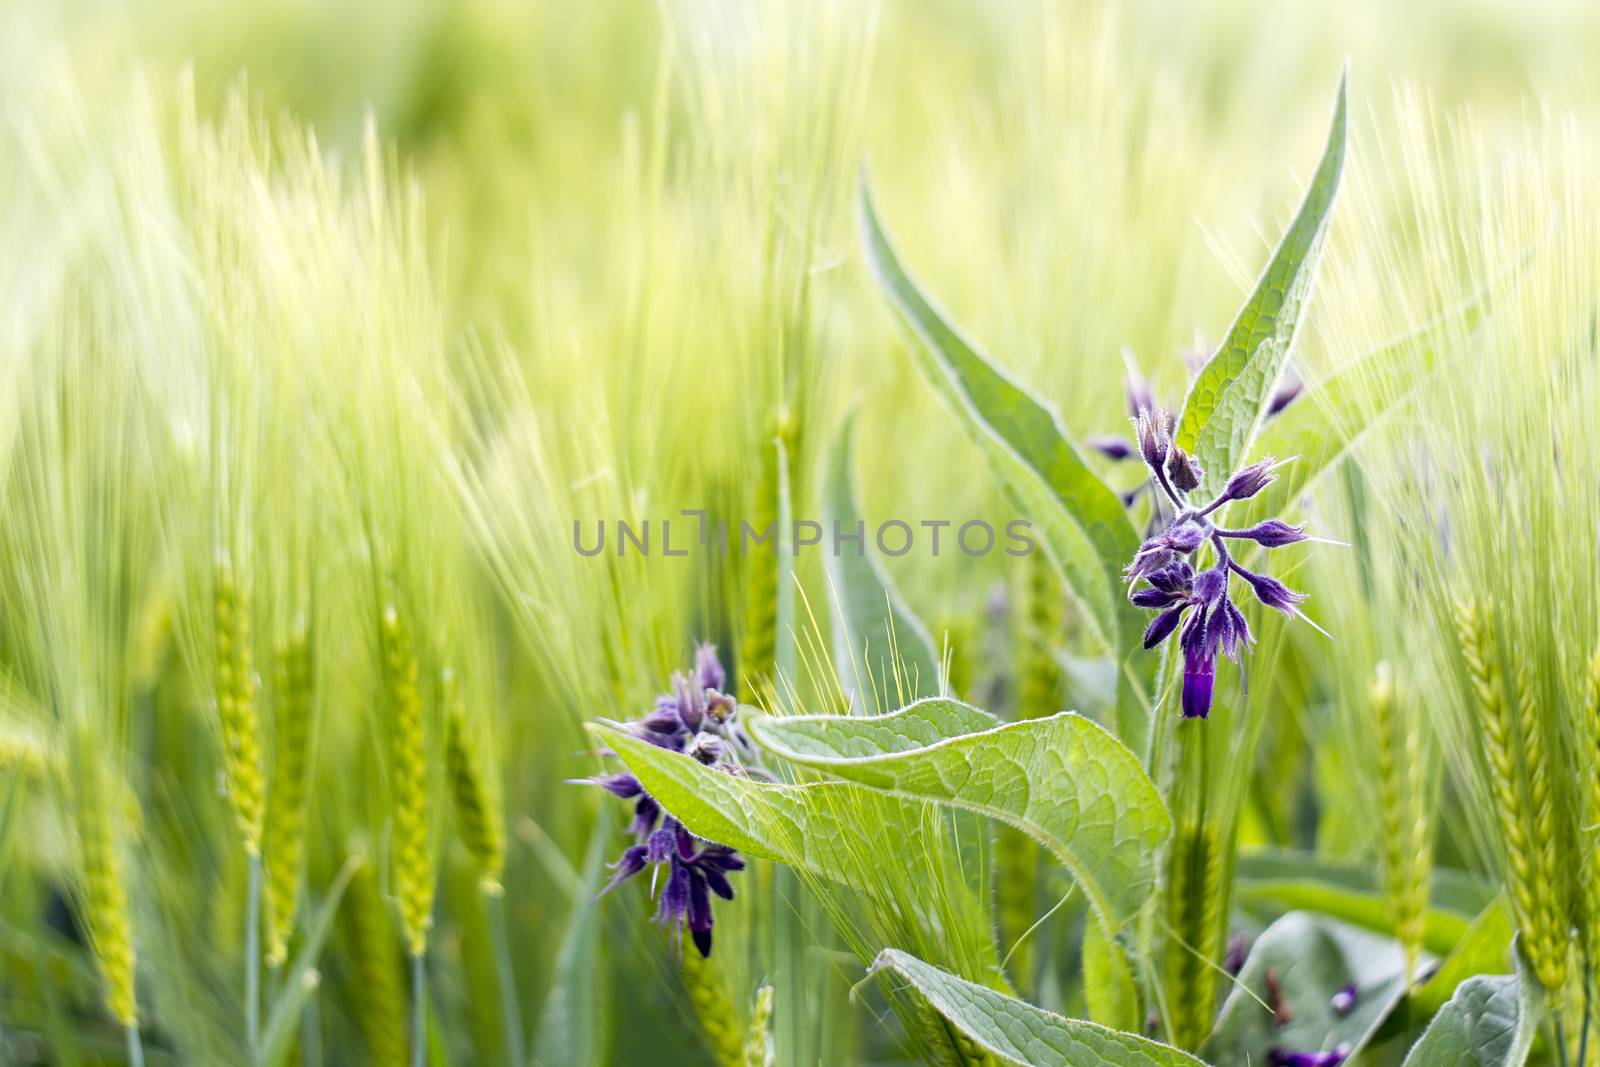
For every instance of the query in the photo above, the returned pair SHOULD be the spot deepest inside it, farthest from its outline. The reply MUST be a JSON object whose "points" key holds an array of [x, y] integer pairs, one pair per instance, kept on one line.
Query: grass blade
{"points": [[284, 1021], [572, 1022], [877, 641]]}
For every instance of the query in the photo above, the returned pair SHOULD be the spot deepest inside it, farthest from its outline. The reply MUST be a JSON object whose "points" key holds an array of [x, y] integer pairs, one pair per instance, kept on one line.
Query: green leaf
{"points": [[839, 832], [1227, 398], [1080, 521], [283, 1023], [1288, 881], [1020, 1033], [1063, 780], [878, 643], [1490, 1021], [572, 1020], [1483, 949], [1108, 980], [1310, 959]]}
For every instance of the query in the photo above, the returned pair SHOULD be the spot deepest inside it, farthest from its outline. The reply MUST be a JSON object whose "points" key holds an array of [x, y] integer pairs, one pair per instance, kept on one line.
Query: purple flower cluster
{"points": [[700, 720], [1196, 604]]}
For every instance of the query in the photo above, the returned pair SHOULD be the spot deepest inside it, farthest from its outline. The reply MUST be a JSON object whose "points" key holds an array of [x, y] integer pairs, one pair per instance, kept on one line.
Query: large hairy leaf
{"points": [[1227, 398], [1020, 1033], [877, 641], [839, 832], [1080, 521], [1489, 1022], [1063, 780], [1309, 959]]}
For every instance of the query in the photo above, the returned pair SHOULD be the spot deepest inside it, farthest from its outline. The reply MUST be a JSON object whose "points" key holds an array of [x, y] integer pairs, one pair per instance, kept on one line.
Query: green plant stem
{"points": [[419, 1012], [510, 1017], [310, 1034], [252, 960], [135, 1046]]}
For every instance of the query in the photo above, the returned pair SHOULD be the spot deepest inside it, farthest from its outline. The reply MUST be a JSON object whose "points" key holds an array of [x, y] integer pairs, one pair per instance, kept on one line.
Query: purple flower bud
{"points": [[700, 914], [1162, 625], [631, 863], [1210, 586], [1175, 577], [645, 814], [1113, 448], [1279, 1058], [1246, 483], [1273, 533], [1185, 536], [1140, 396], [1236, 632], [1198, 676], [708, 668], [1283, 396], [1183, 470], [625, 786], [1271, 592], [1154, 438], [1153, 597], [1152, 557], [1344, 1001], [1238, 949], [659, 845], [674, 904]]}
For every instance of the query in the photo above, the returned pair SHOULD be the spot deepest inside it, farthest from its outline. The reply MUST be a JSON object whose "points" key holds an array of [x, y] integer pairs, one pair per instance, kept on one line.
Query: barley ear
{"points": [[412, 842], [758, 1041], [1403, 817], [1498, 720], [104, 899], [478, 819], [1194, 894], [290, 794], [379, 998], [236, 706], [758, 637], [719, 1023]]}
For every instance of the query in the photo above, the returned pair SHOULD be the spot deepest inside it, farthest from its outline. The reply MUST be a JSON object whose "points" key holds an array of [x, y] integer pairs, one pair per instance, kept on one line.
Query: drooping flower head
{"points": [[699, 719], [1196, 603]]}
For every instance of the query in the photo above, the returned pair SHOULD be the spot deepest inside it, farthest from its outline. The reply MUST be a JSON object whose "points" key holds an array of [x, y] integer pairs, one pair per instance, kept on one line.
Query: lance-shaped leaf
{"points": [[1063, 780], [1272, 882], [878, 643], [1020, 1033], [838, 832], [1309, 959], [1079, 520], [1227, 398], [1489, 1022], [1483, 949]]}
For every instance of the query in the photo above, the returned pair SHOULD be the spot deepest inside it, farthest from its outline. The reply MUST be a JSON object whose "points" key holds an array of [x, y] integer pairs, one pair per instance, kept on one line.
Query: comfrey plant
{"points": [[700, 720], [1175, 589]]}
